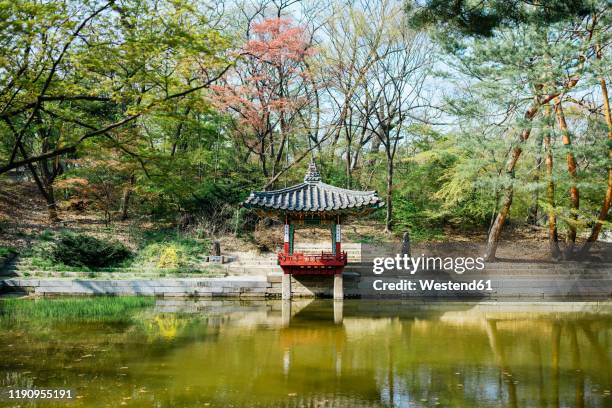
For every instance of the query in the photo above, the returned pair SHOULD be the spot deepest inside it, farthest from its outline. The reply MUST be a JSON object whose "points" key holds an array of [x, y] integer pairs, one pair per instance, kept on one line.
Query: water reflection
{"points": [[322, 353]]}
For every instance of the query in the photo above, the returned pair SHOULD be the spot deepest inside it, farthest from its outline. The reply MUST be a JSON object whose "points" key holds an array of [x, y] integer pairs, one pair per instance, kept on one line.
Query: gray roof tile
{"points": [[313, 195]]}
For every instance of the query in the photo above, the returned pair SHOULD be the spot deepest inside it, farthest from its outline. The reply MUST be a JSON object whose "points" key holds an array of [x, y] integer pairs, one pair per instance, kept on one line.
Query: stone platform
{"points": [[508, 280]]}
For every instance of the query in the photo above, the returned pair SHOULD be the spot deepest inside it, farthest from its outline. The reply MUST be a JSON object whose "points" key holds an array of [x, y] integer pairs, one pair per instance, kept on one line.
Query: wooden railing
{"points": [[324, 258]]}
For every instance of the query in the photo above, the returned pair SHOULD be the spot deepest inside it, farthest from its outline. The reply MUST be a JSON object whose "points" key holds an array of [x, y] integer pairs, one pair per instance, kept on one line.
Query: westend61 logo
{"points": [[439, 266], [427, 263], [450, 269]]}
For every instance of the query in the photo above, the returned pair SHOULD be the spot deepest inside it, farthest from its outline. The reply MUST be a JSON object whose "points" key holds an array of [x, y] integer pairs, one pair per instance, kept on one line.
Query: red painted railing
{"points": [[324, 263], [322, 259]]}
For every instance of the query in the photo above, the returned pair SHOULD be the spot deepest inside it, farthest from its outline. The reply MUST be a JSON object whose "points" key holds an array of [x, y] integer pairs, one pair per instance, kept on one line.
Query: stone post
{"points": [[286, 287], [216, 248], [338, 287], [286, 313], [338, 311], [406, 244]]}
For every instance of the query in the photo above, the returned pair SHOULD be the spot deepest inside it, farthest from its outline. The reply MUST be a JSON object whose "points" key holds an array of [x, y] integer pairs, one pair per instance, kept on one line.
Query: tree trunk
{"points": [[532, 213], [375, 148], [125, 199], [553, 239], [48, 179], [497, 226], [508, 192], [389, 215], [605, 207], [572, 170], [348, 160], [51, 204], [45, 189]]}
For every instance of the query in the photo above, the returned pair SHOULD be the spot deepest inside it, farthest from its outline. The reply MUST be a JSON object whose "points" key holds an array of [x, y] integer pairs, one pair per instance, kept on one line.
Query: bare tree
{"points": [[354, 36], [393, 95]]}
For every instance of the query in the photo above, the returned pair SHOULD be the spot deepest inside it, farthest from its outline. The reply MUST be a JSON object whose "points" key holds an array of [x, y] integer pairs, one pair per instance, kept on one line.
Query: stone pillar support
{"points": [[338, 311], [338, 287], [286, 287], [286, 312]]}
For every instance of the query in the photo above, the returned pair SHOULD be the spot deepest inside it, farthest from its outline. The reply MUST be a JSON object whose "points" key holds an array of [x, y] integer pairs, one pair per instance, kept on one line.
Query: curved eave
{"points": [[347, 209], [314, 199]]}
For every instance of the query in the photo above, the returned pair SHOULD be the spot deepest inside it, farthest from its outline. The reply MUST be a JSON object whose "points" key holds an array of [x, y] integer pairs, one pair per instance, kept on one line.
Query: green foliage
{"points": [[114, 87], [78, 250], [481, 18], [176, 155], [83, 250], [7, 251], [509, 55], [46, 236], [420, 222], [443, 184], [203, 175]]}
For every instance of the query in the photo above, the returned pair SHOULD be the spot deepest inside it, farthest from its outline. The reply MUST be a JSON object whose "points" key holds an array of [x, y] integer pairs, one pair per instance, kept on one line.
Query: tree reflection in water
{"points": [[322, 353]]}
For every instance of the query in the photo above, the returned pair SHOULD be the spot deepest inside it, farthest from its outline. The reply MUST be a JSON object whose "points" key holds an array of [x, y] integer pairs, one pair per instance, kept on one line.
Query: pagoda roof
{"points": [[314, 196]]}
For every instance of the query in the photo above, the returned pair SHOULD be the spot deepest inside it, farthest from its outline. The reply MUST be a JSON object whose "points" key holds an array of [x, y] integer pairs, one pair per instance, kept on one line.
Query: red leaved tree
{"points": [[269, 91]]}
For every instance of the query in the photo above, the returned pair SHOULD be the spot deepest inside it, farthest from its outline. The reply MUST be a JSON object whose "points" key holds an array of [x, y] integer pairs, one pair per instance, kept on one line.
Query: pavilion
{"points": [[313, 203]]}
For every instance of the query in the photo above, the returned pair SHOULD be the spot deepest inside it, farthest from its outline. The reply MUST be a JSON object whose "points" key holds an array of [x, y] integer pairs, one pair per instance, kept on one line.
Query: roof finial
{"points": [[312, 175]]}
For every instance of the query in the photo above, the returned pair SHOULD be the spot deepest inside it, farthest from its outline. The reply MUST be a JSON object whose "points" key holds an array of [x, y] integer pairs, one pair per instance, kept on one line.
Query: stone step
{"points": [[252, 270], [76, 274], [326, 244], [364, 269], [31, 267], [510, 266], [485, 274], [548, 266]]}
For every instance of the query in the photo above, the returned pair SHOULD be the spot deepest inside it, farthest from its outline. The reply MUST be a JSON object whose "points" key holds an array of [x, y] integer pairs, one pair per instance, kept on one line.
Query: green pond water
{"points": [[161, 353]]}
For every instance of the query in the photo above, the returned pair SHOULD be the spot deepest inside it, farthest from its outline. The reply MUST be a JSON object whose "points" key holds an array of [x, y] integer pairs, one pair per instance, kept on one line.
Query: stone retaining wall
{"points": [[507, 281], [166, 287]]}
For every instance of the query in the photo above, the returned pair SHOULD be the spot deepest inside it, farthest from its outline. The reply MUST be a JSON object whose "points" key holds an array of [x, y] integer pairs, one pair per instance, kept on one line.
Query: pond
{"points": [[171, 353]]}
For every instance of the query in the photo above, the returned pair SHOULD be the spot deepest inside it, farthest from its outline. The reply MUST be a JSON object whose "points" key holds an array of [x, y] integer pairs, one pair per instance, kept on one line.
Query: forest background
{"points": [[471, 118]]}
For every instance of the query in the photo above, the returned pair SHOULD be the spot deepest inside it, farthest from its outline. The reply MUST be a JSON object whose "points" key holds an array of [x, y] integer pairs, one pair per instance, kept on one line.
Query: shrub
{"points": [[83, 250], [6, 252], [4, 224], [166, 249], [171, 257], [46, 236]]}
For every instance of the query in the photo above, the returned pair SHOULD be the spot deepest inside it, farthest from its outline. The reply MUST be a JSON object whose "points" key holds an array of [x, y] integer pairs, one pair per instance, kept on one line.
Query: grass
{"points": [[82, 309]]}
